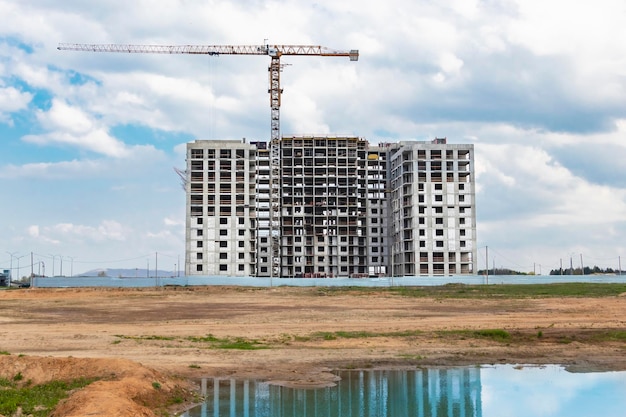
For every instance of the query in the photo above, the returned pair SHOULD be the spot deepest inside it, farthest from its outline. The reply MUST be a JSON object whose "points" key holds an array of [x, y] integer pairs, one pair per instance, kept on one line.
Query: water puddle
{"points": [[488, 391]]}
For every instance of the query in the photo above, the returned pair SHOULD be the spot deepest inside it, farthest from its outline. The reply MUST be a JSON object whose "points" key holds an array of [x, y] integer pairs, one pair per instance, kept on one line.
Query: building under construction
{"points": [[346, 208]]}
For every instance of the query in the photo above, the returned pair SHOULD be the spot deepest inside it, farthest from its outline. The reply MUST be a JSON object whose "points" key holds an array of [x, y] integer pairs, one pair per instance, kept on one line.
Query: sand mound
{"points": [[124, 388]]}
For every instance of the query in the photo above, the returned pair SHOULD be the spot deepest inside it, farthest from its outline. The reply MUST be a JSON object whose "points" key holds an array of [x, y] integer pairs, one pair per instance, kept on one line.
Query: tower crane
{"points": [[274, 52]]}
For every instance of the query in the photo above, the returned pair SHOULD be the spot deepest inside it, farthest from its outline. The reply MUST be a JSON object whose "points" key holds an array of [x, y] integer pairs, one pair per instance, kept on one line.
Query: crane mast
{"points": [[274, 52]]}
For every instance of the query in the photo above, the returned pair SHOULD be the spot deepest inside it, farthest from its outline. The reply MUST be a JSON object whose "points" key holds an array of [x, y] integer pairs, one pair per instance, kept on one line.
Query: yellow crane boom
{"points": [[274, 52]]}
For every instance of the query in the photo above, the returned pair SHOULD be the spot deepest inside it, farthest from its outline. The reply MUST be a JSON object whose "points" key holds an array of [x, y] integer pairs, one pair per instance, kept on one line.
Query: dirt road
{"points": [[295, 335]]}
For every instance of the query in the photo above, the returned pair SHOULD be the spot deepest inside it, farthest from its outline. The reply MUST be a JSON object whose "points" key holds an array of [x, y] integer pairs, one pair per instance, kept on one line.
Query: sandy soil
{"points": [[134, 338]]}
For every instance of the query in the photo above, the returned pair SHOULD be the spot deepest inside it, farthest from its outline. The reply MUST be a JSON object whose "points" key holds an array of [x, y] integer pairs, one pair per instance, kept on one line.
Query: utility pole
{"points": [[561, 267], [487, 264], [582, 268]]}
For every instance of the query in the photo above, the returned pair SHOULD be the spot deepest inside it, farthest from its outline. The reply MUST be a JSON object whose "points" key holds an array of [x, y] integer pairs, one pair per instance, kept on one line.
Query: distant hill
{"points": [[128, 273]]}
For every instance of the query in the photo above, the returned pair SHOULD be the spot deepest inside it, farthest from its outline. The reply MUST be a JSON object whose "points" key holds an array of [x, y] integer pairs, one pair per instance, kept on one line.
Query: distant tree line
{"points": [[585, 271]]}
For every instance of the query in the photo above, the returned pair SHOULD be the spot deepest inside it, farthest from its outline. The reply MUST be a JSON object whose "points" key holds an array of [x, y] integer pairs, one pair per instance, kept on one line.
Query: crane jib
{"points": [[271, 50]]}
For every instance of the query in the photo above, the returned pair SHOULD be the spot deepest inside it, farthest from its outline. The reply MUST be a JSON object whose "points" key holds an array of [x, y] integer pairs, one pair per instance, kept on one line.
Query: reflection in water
{"points": [[497, 391], [420, 393]]}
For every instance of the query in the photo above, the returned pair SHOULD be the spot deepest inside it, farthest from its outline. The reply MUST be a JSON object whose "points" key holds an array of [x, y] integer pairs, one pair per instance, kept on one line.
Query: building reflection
{"points": [[383, 393]]}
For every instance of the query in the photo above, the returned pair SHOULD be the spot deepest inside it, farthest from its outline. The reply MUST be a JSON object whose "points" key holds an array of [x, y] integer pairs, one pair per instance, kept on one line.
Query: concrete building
{"points": [[324, 207], [432, 208], [347, 209], [221, 226]]}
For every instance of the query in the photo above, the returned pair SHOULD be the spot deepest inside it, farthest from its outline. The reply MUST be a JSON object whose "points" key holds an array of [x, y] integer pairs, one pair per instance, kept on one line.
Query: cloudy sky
{"points": [[88, 141]]}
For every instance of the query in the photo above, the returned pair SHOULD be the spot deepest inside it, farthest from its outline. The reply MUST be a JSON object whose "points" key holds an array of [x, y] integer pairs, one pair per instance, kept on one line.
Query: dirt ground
{"points": [[149, 346]]}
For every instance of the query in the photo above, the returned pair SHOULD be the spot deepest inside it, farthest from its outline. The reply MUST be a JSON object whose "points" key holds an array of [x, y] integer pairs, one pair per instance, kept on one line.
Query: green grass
{"points": [[342, 334], [583, 289], [37, 400], [148, 337], [494, 334], [497, 335], [610, 336], [204, 339], [209, 341], [496, 290], [239, 343]]}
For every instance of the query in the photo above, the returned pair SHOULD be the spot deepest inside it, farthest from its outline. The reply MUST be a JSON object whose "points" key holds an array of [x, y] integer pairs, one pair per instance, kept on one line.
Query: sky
{"points": [[89, 141], [550, 391]]}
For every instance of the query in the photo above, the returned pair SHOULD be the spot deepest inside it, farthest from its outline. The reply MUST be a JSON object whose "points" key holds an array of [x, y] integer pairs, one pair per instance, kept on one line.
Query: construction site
{"points": [[321, 206], [347, 209]]}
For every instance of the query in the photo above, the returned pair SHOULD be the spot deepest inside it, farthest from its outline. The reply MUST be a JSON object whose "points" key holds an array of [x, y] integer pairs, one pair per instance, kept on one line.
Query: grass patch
{"points": [[38, 400], [610, 336], [497, 335], [573, 289], [204, 339], [568, 289], [4, 352], [342, 334], [412, 357], [209, 340], [239, 343], [149, 337]]}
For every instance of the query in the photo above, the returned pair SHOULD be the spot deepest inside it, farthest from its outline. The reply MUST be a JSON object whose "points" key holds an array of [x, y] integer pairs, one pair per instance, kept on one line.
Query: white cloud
{"points": [[12, 99], [174, 221], [69, 233], [51, 170], [587, 34], [138, 160], [72, 126], [162, 234], [33, 231]]}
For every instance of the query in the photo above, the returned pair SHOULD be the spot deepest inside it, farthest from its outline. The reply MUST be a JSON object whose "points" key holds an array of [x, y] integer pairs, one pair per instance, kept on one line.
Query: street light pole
{"points": [[71, 266], [18, 264], [52, 273]]}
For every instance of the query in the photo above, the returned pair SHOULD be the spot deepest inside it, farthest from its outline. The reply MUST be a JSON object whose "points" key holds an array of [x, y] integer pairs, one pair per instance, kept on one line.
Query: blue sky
{"points": [[550, 391], [88, 141]]}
